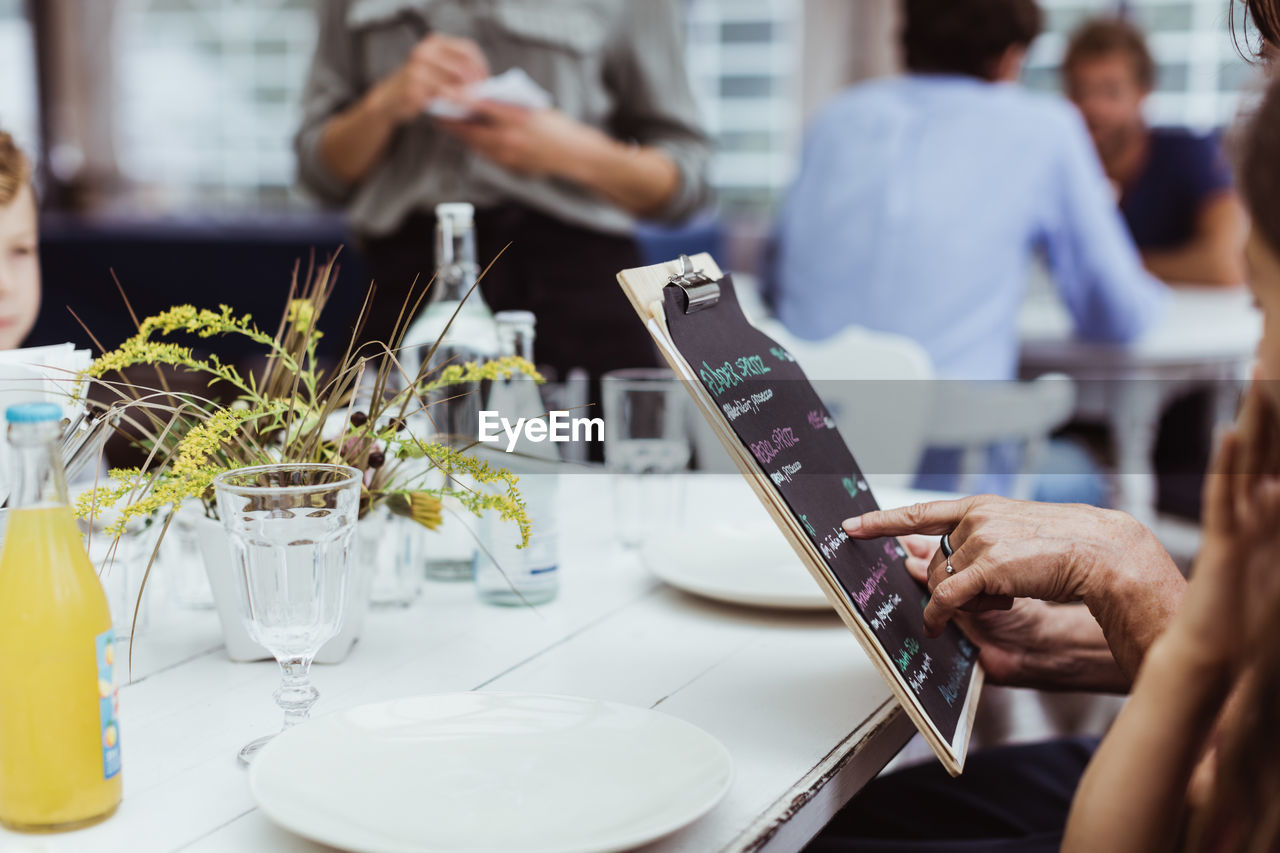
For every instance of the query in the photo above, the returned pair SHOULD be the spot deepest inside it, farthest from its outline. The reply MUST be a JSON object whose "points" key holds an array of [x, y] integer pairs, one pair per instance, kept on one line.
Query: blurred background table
{"points": [[805, 715], [1206, 339]]}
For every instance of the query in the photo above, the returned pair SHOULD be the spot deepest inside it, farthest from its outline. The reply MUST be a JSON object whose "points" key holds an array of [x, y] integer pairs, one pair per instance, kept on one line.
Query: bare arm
{"points": [[353, 141], [1138, 783], [650, 162], [639, 179], [1214, 255], [1134, 791]]}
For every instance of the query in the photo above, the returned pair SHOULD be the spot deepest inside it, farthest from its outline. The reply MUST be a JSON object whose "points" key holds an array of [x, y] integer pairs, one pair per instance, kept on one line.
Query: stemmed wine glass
{"points": [[290, 527]]}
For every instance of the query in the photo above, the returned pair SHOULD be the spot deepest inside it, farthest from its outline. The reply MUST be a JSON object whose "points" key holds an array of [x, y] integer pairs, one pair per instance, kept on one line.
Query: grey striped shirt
{"points": [[616, 65]]}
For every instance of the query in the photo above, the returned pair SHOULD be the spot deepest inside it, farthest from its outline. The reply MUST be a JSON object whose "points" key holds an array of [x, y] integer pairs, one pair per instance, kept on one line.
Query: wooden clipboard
{"points": [[646, 287]]}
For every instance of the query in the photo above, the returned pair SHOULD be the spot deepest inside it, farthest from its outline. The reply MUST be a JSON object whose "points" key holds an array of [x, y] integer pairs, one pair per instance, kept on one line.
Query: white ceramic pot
{"points": [[215, 548]]}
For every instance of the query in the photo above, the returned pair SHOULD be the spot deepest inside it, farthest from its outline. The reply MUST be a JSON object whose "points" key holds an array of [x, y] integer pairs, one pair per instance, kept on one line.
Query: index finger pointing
{"points": [[934, 518]]}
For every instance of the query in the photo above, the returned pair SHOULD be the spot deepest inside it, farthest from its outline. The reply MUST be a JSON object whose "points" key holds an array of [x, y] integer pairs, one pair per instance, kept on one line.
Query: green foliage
{"points": [[292, 412]]}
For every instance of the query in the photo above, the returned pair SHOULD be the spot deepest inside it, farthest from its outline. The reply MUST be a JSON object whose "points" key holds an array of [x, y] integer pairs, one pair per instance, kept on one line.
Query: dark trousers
{"points": [[564, 274], [1013, 798]]}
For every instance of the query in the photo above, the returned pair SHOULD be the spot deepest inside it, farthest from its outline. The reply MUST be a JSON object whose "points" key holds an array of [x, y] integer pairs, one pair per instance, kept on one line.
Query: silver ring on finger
{"points": [[947, 551]]}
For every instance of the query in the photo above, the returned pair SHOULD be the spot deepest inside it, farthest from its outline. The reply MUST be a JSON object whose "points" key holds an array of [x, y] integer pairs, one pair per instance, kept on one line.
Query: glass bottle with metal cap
{"points": [[505, 573], [459, 325], [456, 316]]}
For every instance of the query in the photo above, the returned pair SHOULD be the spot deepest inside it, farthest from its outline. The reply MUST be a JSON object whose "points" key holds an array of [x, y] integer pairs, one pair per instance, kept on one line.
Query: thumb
{"points": [[918, 568], [920, 546]]}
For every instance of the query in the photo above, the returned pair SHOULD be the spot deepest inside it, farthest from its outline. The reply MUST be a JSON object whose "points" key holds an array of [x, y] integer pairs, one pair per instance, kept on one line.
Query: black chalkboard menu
{"points": [[802, 465]]}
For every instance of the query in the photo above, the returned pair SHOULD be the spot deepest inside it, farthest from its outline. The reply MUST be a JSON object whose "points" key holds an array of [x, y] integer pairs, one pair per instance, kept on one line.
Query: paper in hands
{"points": [[513, 87]]}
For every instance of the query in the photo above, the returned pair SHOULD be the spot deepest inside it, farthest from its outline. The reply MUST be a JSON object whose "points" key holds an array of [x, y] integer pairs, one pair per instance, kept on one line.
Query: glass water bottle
{"points": [[59, 727], [510, 575]]}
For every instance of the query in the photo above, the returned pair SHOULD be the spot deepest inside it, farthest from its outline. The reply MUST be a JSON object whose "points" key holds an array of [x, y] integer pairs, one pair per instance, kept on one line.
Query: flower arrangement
{"points": [[293, 410]]}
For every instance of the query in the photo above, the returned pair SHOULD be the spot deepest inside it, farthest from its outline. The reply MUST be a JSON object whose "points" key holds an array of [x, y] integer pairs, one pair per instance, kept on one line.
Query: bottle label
{"points": [[108, 706]]}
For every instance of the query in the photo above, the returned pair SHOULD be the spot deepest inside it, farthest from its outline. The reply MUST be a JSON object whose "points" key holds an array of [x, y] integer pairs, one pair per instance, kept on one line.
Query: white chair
{"points": [[874, 385], [974, 416]]}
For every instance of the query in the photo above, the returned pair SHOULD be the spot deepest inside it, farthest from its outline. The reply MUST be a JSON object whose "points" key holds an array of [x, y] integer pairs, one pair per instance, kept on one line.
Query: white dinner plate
{"points": [[729, 562], [743, 558], [490, 773]]}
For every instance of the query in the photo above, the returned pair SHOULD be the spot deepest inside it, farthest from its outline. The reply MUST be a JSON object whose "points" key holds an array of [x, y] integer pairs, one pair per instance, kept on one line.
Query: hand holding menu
{"points": [[761, 405]]}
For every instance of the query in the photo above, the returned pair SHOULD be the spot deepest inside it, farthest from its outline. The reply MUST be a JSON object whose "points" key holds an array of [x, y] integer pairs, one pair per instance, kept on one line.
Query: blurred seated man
{"points": [[922, 198], [19, 258], [1174, 187], [1176, 196]]}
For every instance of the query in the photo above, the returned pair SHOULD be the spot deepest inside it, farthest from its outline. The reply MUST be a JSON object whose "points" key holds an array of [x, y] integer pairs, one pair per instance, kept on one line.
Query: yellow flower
{"points": [[139, 351], [301, 313], [492, 371], [423, 507]]}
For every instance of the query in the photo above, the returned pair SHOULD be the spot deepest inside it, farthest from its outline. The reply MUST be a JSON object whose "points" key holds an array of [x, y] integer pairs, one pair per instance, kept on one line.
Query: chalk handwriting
{"points": [[909, 648], [731, 374], [752, 365], [784, 437], [921, 675], [954, 688], [832, 541], [853, 488], [884, 613], [735, 409], [719, 379], [818, 420], [785, 473], [763, 451], [870, 586]]}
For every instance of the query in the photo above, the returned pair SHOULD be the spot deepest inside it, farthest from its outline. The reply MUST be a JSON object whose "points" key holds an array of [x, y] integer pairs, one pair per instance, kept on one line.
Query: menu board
{"points": [[767, 413]]}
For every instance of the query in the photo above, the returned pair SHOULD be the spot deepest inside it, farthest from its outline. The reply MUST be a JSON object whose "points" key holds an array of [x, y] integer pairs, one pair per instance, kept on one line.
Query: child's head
{"points": [[19, 260]]}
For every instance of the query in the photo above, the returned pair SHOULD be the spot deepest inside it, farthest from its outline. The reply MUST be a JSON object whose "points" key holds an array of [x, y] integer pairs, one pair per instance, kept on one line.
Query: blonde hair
{"points": [[15, 170]]}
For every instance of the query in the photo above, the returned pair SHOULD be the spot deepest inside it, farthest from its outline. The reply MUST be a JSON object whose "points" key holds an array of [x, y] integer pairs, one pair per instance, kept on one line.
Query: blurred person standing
{"points": [[922, 198], [563, 185], [1174, 186], [19, 246]]}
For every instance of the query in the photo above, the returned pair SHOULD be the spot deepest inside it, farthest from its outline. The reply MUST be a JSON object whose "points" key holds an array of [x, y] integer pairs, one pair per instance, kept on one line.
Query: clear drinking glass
{"points": [[290, 527], [646, 443]]}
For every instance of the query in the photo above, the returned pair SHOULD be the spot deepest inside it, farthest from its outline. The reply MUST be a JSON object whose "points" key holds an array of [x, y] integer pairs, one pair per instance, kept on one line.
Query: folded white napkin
{"points": [[44, 374], [513, 87], [41, 375]]}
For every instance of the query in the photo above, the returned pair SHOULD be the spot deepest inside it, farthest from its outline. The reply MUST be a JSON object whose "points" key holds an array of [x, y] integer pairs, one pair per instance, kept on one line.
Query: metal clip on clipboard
{"points": [[700, 290]]}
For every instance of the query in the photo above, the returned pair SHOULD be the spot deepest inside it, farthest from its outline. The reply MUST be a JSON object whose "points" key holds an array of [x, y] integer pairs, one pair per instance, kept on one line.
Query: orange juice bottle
{"points": [[59, 734]]}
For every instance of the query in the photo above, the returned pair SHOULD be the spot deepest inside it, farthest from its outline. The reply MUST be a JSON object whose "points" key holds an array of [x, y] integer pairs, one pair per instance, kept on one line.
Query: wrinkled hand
{"points": [[1004, 637], [1235, 585], [1007, 549], [528, 142], [439, 66]]}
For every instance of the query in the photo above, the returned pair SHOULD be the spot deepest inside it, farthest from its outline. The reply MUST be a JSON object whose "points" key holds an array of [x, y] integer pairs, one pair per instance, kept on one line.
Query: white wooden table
{"points": [[1206, 338], [807, 719]]}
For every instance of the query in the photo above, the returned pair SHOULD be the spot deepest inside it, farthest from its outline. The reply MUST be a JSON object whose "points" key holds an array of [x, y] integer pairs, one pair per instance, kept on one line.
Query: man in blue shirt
{"points": [[921, 200], [1174, 186], [1176, 196]]}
